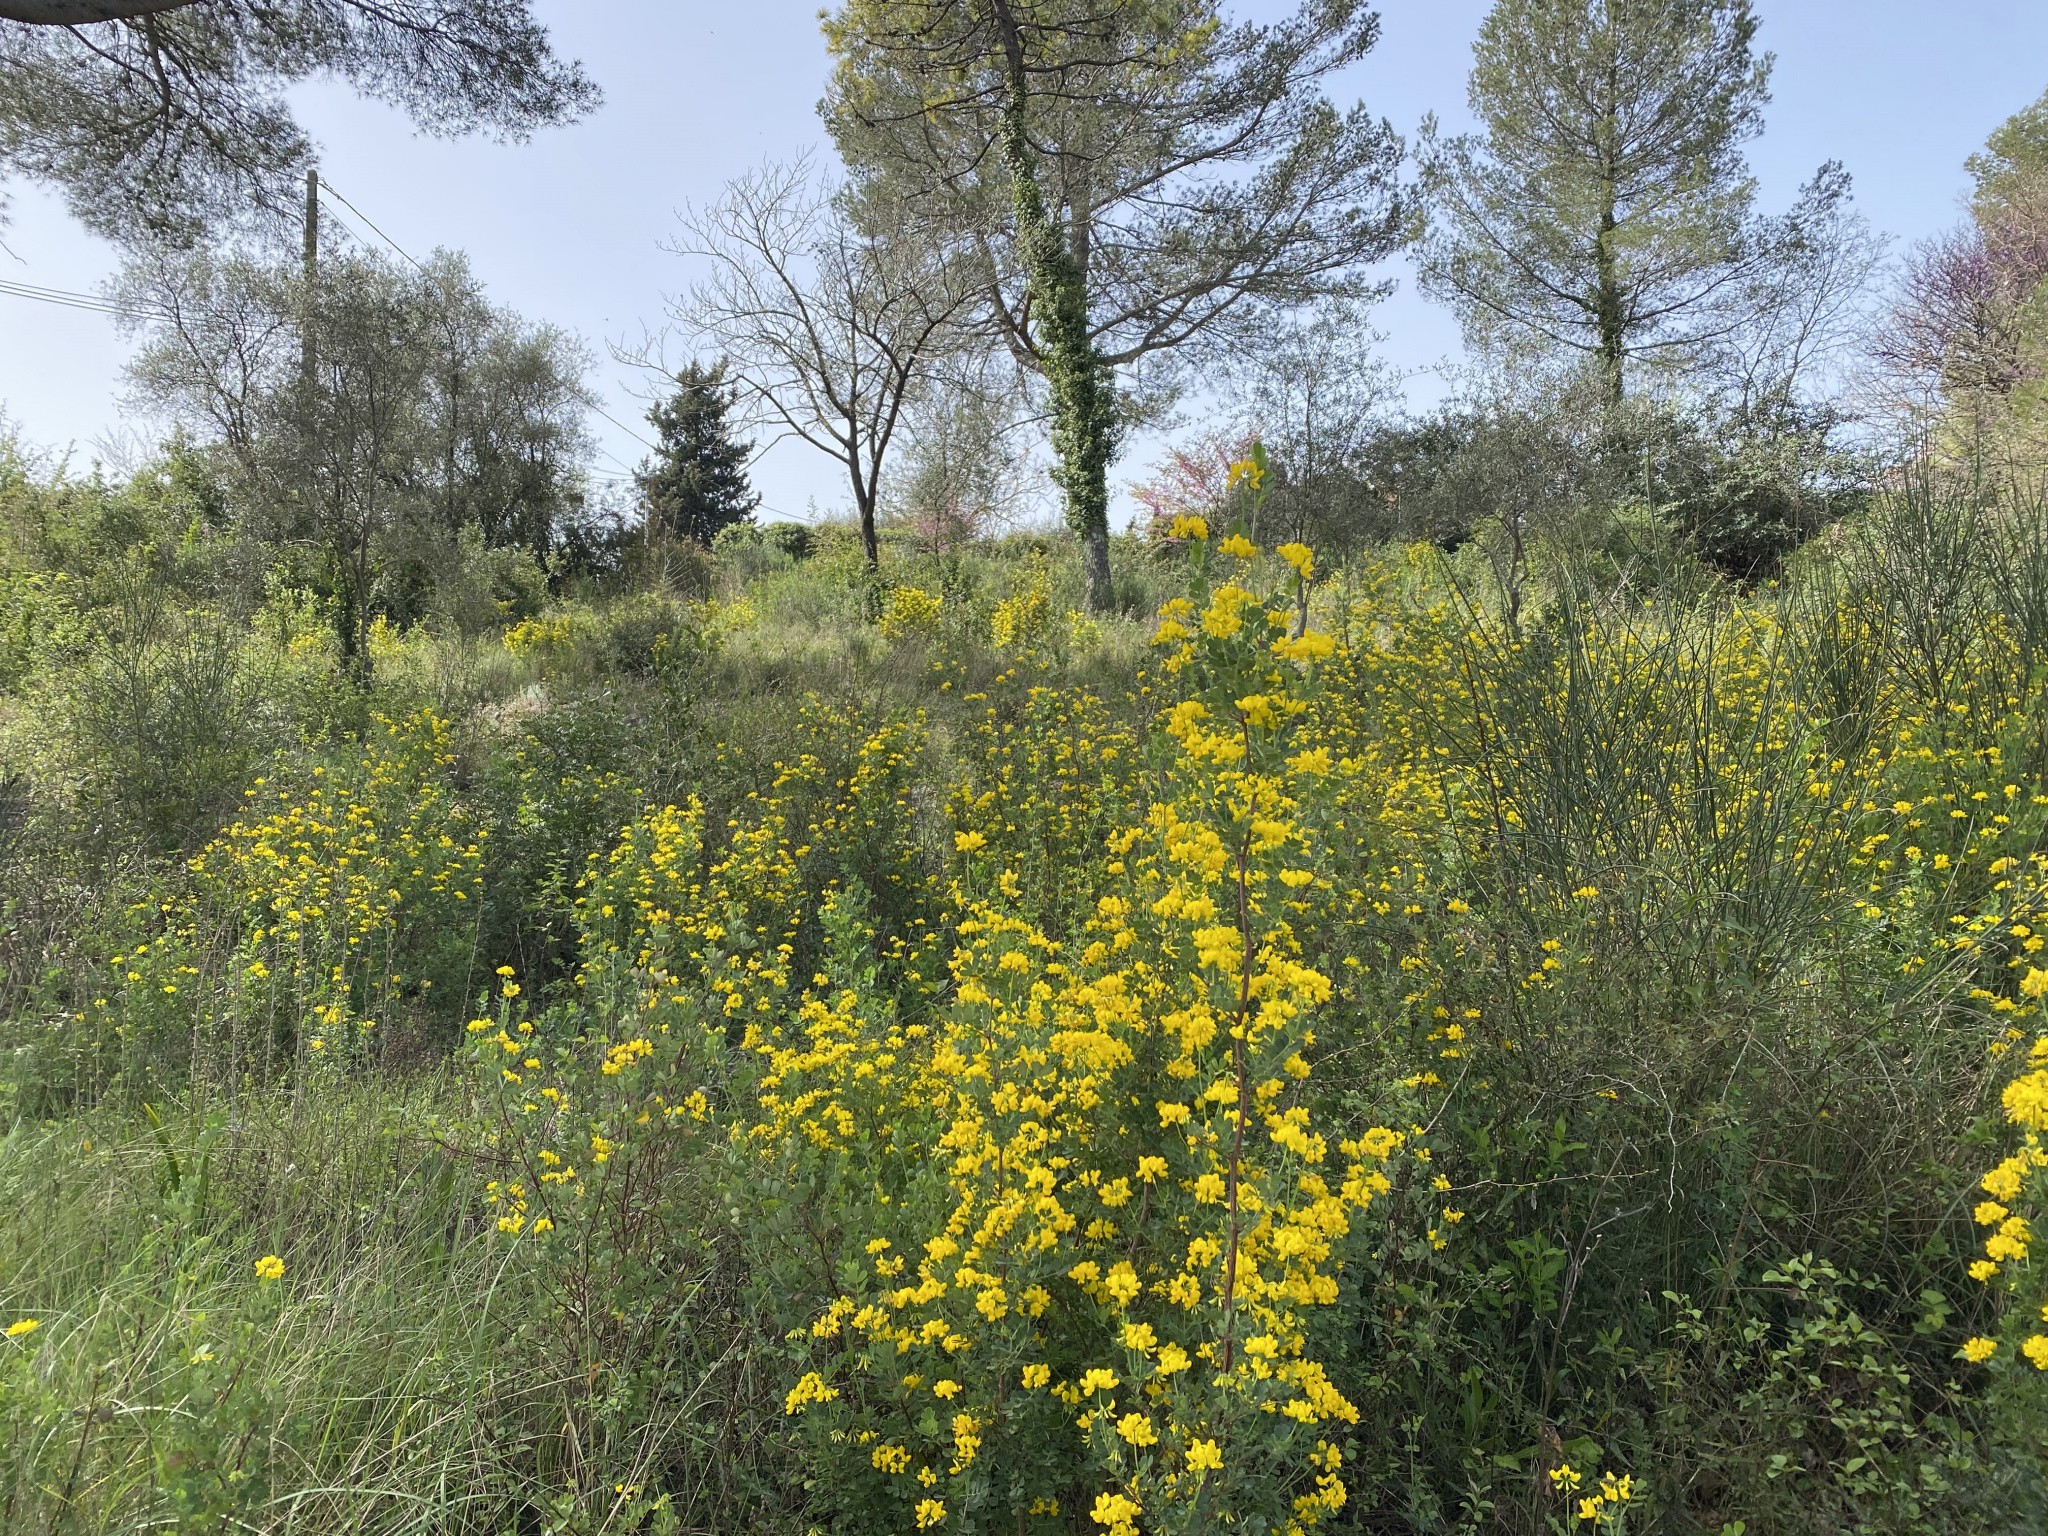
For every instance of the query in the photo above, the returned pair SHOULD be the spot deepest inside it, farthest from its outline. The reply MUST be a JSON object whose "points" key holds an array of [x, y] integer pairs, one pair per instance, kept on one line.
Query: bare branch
{"points": [[830, 329], [81, 13]]}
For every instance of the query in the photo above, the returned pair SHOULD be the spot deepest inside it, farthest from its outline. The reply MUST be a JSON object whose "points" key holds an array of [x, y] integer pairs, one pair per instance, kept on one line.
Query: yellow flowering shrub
{"points": [[1037, 1181], [2014, 1192], [329, 912], [1025, 618], [546, 634], [1048, 775], [911, 613], [1107, 1213], [1010, 1095]]}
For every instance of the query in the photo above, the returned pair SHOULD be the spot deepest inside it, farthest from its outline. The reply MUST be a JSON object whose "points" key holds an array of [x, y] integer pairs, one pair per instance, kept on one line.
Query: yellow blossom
{"points": [[810, 1388], [1137, 1429]]}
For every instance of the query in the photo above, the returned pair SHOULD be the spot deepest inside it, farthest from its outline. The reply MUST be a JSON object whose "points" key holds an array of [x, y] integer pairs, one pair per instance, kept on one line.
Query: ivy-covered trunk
{"points": [[1084, 426]]}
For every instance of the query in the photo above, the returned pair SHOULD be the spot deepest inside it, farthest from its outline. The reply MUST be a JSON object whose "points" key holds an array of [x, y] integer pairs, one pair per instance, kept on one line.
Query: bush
{"points": [[793, 539], [161, 713]]}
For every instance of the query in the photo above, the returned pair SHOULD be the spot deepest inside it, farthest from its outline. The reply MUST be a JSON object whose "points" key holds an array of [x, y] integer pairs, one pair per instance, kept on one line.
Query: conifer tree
{"points": [[696, 482], [1135, 183], [1604, 207]]}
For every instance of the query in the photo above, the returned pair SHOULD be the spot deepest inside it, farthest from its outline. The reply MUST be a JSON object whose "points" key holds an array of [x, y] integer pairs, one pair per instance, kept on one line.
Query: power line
{"points": [[352, 208], [630, 472], [608, 416], [97, 304], [71, 300]]}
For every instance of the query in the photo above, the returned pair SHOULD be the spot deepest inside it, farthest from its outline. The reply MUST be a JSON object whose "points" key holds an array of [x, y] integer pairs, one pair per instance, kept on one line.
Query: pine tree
{"points": [[1135, 182], [1604, 207], [696, 482]]}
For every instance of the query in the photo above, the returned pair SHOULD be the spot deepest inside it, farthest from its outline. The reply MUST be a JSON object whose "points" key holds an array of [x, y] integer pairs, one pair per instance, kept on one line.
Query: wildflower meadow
{"points": [[1312, 1052], [978, 849]]}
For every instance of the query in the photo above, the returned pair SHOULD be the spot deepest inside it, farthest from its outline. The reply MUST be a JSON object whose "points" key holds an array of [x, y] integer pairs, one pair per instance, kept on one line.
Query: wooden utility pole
{"points": [[307, 358]]}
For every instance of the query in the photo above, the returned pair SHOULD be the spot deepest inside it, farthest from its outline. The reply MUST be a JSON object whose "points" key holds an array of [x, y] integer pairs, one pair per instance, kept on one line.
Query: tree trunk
{"points": [[1084, 427], [345, 627], [1095, 568], [1608, 311], [359, 600], [1608, 299], [870, 544]]}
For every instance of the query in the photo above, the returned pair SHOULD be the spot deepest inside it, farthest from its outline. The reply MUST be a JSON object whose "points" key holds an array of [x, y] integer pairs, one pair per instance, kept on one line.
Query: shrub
{"points": [[310, 937], [160, 711], [911, 613], [793, 539]]}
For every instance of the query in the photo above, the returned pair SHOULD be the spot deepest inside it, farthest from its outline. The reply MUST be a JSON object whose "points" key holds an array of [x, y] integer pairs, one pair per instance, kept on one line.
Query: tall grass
{"points": [[400, 1377]]}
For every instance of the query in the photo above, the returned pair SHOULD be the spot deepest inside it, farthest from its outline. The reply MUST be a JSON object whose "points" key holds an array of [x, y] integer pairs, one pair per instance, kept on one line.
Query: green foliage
{"points": [[388, 441], [390, 1379], [696, 486], [161, 710], [1602, 205], [1677, 933], [793, 539], [2013, 165]]}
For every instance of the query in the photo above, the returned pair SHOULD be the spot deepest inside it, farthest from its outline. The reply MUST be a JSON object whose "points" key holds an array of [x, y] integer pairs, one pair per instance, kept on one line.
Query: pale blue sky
{"points": [[568, 227]]}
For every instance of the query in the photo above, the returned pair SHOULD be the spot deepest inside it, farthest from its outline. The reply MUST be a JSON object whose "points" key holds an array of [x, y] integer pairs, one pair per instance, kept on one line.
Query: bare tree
{"points": [[965, 466], [832, 326], [1313, 393], [1960, 325], [1799, 314]]}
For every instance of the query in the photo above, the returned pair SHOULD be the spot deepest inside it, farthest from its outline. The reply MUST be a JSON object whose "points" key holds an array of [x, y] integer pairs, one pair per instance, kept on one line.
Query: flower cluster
{"points": [[1105, 1208], [339, 899], [911, 613], [1025, 617], [1605, 1508]]}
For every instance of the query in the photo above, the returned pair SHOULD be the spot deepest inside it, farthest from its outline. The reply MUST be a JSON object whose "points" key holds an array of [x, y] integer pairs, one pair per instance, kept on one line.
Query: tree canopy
{"points": [[2011, 171], [158, 118], [1604, 205]]}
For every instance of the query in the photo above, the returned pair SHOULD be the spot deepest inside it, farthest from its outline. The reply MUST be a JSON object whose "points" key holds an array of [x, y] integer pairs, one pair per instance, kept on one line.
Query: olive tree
{"points": [[426, 416]]}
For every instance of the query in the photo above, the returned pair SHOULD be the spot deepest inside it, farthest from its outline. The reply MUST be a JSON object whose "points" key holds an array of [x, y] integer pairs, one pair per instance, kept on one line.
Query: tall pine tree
{"points": [[1135, 183], [696, 482], [1604, 207]]}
